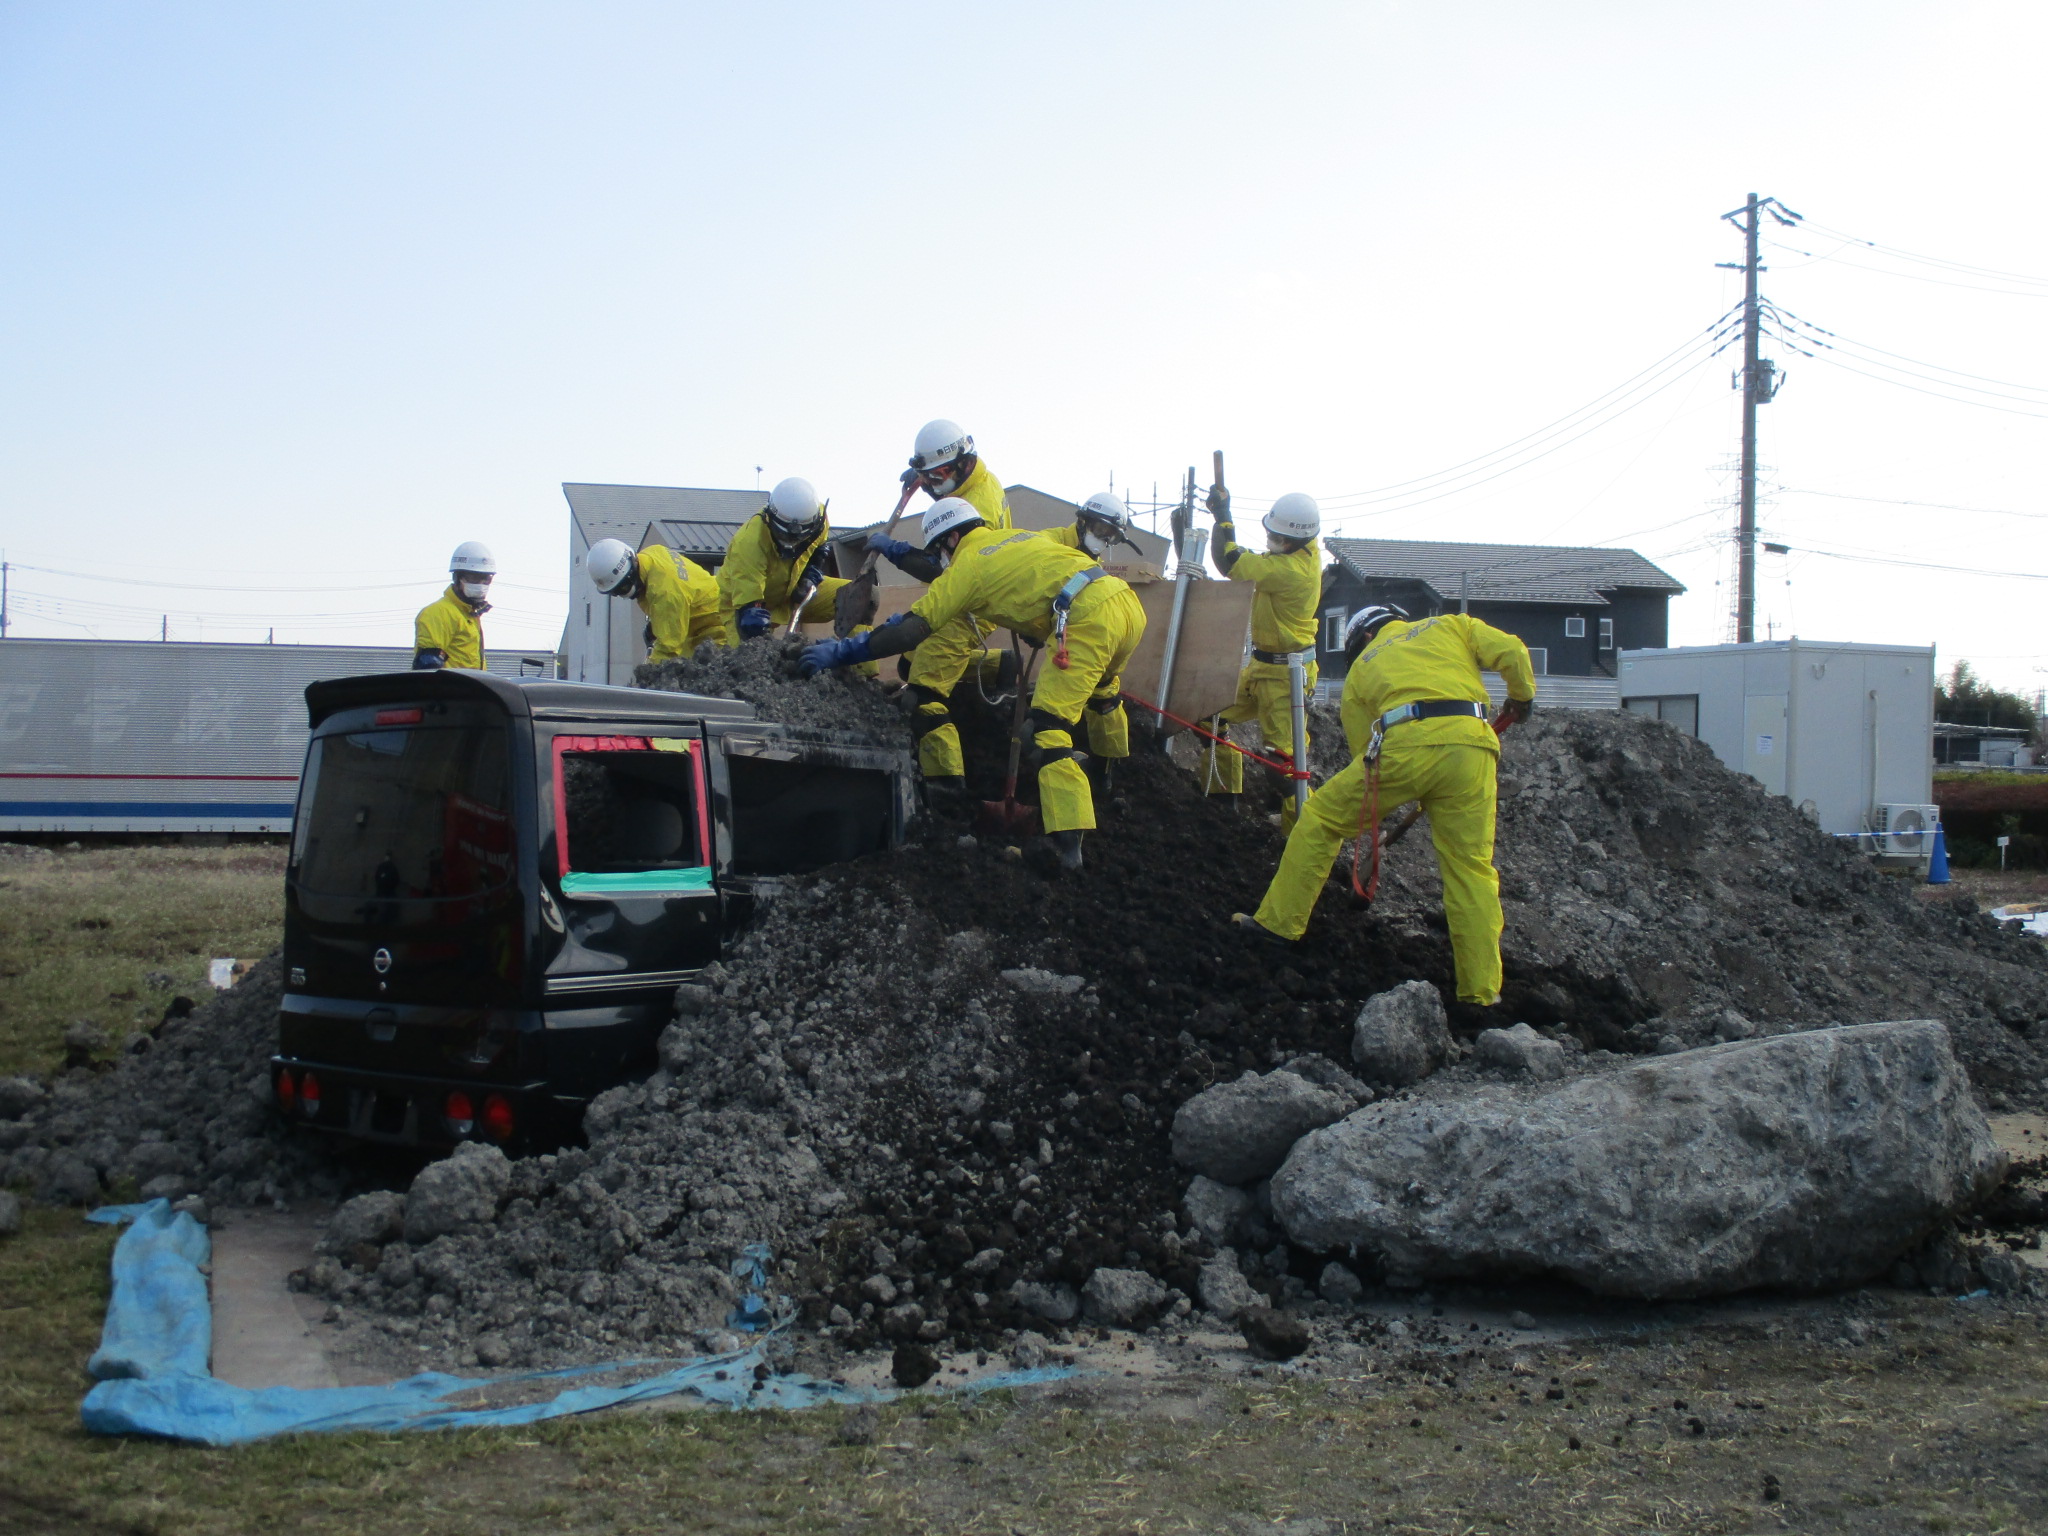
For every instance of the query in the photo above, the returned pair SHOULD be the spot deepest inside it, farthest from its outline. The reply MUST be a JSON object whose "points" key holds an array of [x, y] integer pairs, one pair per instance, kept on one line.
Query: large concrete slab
{"points": [[264, 1334]]}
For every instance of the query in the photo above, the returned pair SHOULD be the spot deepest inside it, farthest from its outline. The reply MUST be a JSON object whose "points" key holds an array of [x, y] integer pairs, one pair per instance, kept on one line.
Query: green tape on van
{"points": [[648, 882]]}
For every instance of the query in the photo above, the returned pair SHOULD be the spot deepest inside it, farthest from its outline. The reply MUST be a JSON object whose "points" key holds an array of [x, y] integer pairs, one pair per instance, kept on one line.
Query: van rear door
{"points": [[792, 801]]}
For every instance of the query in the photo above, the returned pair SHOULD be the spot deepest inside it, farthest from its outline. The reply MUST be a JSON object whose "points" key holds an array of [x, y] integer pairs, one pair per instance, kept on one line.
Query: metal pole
{"points": [[1189, 551], [1297, 689], [3, 599], [1745, 569]]}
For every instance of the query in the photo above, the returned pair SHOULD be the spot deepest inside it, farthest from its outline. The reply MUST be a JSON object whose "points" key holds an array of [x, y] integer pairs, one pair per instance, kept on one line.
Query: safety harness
{"points": [[1369, 807], [1282, 658], [1063, 602]]}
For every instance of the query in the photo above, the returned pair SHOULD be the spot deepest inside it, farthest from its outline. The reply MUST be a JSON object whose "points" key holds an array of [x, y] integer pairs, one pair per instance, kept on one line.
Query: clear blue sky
{"points": [[298, 296]]}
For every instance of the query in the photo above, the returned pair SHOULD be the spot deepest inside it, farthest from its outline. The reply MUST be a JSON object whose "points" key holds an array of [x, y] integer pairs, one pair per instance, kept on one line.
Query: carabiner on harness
{"points": [[1062, 602]]}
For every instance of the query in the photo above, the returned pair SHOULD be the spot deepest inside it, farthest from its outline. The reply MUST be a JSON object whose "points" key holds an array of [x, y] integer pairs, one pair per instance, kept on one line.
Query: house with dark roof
{"points": [[1573, 607]]}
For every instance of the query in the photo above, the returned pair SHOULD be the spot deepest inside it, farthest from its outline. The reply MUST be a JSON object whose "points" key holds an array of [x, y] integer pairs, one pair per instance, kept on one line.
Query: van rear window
{"points": [[419, 814], [629, 816]]}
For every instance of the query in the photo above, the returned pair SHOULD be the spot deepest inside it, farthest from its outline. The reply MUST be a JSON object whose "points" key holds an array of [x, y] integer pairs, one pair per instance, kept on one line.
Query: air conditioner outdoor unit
{"points": [[1907, 831]]}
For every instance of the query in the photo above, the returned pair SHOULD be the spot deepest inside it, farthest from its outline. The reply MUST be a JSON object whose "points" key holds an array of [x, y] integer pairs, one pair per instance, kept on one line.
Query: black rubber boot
{"points": [[1069, 846]]}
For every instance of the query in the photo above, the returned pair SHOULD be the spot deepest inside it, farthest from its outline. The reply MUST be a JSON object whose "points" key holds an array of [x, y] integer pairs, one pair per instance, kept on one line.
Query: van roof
{"points": [[538, 698]]}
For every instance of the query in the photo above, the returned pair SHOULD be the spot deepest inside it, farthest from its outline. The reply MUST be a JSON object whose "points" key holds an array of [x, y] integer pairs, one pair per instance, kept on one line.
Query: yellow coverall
{"points": [[451, 626], [756, 572], [936, 666], [680, 599], [1009, 579], [1286, 590], [1109, 728], [1447, 763]]}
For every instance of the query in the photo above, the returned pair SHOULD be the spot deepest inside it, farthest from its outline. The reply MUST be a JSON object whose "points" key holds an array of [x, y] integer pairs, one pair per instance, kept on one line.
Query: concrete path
{"points": [[265, 1335]]}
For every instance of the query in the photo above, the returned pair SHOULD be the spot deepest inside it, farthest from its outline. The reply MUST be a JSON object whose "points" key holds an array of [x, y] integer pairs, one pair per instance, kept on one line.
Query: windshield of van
{"points": [[422, 813]]}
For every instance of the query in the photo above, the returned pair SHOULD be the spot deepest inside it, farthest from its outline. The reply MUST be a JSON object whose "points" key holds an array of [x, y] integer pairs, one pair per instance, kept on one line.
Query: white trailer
{"points": [[139, 736], [1844, 731]]}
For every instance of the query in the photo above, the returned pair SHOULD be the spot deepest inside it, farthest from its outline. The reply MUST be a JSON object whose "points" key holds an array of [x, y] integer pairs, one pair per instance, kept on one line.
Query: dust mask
{"points": [[473, 592], [1093, 542]]}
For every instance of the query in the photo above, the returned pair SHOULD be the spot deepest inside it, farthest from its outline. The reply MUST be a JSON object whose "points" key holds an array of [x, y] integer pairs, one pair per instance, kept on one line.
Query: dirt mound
{"points": [[763, 673], [187, 1110]]}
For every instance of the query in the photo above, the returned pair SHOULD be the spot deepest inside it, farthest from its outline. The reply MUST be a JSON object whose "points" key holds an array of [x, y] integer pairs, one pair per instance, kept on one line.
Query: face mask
{"points": [[1275, 545], [1092, 541], [473, 592]]}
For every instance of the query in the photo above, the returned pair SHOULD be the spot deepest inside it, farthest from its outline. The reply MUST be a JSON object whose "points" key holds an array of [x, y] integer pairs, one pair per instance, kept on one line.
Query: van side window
{"points": [[629, 816]]}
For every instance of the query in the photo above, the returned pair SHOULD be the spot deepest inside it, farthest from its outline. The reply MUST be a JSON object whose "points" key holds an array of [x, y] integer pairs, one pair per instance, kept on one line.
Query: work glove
{"points": [[753, 621], [1512, 712], [908, 478], [826, 654], [429, 661], [1219, 503], [890, 549]]}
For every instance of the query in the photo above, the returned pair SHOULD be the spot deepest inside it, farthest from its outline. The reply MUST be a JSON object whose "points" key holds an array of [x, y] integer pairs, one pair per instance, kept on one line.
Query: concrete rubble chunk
{"points": [[376, 1219], [1220, 1212], [1240, 1131], [1056, 1303], [1123, 1298], [1520, 1049], [1806, 1162], [68, 1179], [1270, 1332], [10, 1214], [460, 1191], [19, 1095], [1402, 1035], [1222, 1287], [1339, 1286], [1033, 980]]}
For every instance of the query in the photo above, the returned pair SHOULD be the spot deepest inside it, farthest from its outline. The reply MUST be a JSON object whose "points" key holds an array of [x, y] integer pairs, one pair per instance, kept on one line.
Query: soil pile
{"points": [[184, 1110], [763, 673]]}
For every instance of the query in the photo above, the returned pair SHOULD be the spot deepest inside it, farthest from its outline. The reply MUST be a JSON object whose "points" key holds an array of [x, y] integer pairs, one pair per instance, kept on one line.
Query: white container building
{"points": [[1843, 731]]}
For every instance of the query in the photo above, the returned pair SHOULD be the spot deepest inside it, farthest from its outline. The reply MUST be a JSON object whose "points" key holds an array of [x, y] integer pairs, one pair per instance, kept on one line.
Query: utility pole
{"points": [[3, 599], [1758, 382]]}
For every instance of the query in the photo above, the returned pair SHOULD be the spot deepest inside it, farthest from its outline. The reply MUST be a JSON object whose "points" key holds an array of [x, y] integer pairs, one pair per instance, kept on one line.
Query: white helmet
{"points": [[939, 443], [473, 559], [610, 562], [1360, 628], [1295, 516], [795, 516], [947, 514], [1103, 507]]}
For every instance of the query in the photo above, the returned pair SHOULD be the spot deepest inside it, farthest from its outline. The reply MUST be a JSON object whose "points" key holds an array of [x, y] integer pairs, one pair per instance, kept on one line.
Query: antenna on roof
{"points": [[757, 477]]}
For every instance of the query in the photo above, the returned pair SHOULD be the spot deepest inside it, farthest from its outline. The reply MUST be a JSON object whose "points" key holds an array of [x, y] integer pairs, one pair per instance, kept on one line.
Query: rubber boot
{"points": [[1069, 846], [946, 792]]}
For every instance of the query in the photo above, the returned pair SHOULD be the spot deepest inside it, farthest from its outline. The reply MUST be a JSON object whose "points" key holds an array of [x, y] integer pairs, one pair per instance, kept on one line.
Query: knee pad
{"points": [[933, 710], [1109, 704], [1049, 740]]}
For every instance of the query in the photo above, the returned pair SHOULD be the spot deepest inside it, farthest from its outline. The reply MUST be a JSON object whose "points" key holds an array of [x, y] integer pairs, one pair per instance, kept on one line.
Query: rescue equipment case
{"points": [[495, 886]]}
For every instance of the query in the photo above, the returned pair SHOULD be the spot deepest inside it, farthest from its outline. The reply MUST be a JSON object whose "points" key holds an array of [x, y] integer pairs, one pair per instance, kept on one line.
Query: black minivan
{"points": [[496, 885]]}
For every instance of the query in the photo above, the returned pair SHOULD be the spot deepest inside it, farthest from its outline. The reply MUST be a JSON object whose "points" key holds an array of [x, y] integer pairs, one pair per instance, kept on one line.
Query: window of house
{"points": [[1681, 711], [1607, 634], [1333, 628], [1575, 629], [1539, 659]]}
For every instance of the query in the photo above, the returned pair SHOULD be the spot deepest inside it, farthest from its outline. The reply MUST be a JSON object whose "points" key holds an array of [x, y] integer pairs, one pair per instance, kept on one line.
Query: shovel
{"points": [[856, 603], [1006, 817]]}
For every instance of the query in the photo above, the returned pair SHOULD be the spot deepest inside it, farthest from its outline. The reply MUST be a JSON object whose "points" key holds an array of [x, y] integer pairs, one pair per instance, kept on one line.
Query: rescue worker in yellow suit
{"points": [[449, 631], [1287, 583], [678, 596], [778, 555], [1051, 595], [1414, 714], [943, 463], [1100, 523]]}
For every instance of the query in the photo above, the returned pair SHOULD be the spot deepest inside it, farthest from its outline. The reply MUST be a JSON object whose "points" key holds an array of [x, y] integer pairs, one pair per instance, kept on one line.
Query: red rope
{"points": [[1273, 763]]}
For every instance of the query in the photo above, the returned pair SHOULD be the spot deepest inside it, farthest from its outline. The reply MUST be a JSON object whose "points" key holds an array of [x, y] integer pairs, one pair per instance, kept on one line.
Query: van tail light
{"points": [[397, 717], [309, 1096], [461, 1116], [498, 1118], [287, 1090]]}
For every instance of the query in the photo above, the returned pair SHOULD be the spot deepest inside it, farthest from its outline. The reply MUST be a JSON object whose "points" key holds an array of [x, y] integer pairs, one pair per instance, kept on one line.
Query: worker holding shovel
{"points": [[943, 463], [1414, 715], [1051, 595], [774, 571], [1101, 523], [1287, 582]]}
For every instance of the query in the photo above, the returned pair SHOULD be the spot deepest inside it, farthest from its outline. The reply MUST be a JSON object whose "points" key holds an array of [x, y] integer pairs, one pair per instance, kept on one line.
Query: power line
{"points": [[1932, 261], [1781, 313], [1911, 277], [1889, 501]]}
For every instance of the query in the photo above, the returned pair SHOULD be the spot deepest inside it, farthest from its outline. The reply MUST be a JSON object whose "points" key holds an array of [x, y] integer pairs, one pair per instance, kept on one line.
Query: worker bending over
{"points": [[1414, 716], [943, 463], [1100, 523], [1287, 585], [678, 596], [449, 631], [1050, 595], [775, 565]]}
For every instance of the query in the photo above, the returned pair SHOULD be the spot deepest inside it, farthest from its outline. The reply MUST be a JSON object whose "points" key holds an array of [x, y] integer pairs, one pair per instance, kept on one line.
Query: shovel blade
{"points": [[855, 604], [1005, 818]]}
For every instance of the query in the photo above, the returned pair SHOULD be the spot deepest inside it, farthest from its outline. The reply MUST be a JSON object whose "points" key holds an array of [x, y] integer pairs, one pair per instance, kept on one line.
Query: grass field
{"points": [[81, 930]]}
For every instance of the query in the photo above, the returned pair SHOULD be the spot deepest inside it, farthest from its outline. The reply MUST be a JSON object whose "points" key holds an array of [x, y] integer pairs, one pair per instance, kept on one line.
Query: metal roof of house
{"points": [[1518, 573], [626, 511]]}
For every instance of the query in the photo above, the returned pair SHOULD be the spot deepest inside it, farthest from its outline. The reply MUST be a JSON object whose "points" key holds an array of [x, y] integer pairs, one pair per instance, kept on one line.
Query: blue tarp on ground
{"points": [[153, 1358]]}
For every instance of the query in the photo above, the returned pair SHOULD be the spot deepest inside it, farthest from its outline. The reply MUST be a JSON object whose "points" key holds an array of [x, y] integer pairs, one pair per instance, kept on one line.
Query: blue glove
{"points": [[429, 661], [833, 653], [891, 549], [753, 621]]}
